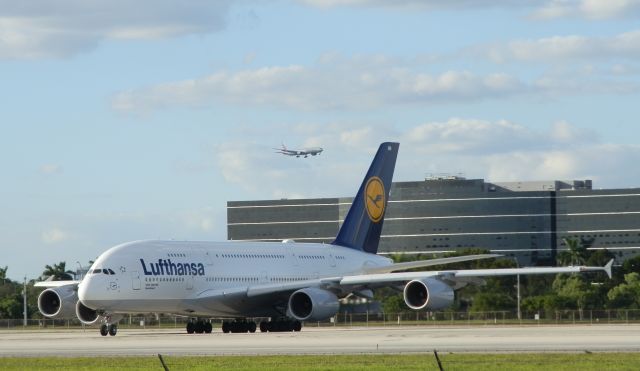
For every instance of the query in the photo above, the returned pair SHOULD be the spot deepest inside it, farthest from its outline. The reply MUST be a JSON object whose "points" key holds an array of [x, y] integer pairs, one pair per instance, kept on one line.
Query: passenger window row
{"points": [[259, 256]]}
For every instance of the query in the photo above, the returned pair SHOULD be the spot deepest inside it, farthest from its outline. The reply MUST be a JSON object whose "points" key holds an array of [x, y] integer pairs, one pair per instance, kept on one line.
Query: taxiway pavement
{"points": [[128, 342]]}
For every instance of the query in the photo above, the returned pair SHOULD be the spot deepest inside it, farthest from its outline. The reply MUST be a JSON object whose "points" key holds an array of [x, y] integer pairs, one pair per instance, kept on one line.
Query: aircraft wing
{"points": [[428, 263], [454, 278], [452, 275], [55, 283]]}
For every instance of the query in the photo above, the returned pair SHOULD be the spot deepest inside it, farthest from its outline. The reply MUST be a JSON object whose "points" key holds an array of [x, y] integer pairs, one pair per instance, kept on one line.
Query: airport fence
{"points": [[419, 318]]}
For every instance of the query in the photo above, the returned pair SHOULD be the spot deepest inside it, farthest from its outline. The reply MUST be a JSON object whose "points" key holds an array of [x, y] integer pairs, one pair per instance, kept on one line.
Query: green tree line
{"points": [[546, 293], [11, 300]]}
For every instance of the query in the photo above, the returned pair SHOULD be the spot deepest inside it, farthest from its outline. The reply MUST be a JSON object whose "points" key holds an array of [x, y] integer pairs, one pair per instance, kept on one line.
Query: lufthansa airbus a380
{"points": [[288, 283]]}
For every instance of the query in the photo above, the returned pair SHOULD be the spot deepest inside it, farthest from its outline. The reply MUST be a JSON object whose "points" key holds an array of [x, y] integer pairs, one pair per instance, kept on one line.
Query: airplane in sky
{"points": [[306, 152], [287, 283]]}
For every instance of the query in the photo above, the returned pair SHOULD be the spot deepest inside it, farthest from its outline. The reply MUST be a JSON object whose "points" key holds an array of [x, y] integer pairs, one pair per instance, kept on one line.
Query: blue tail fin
{"points": [[363, 224]]}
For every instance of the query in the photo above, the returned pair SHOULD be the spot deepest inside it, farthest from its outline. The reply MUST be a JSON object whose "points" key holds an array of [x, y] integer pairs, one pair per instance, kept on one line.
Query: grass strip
{"points": [[369, 362]]}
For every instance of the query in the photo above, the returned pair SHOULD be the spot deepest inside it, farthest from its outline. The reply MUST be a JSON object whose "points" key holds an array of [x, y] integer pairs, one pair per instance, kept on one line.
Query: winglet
{"points": [[607, 268]]}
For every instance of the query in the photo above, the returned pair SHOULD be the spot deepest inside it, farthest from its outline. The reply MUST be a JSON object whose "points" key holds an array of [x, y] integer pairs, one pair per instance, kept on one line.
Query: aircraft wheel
{"points": [[252, 327], [297, 326], [208, 327], [264, 326], [104, 330], [225, 327], [191, 327], [113, 330], [199, 328]]}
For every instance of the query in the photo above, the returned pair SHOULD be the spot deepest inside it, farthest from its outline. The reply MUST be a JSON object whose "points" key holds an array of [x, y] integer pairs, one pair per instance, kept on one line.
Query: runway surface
{"points": [[571, 338]]}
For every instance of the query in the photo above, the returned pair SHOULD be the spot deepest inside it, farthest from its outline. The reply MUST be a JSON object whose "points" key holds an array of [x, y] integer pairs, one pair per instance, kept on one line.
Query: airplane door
{"points": [[264, 277], [332, 260], [205, 254], [135, 280], [189, 282], [292, 254]]}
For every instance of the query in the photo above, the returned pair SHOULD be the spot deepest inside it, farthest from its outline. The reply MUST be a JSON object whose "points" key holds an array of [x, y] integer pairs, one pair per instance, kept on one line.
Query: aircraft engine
{"points": [[86, 315], [58, 302], [313, 304], [428, 293]]}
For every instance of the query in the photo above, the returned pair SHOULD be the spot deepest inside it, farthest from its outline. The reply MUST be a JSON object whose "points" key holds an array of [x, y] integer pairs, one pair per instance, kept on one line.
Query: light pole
{"points": [[24, 301], [79, 272], [518, 290]]}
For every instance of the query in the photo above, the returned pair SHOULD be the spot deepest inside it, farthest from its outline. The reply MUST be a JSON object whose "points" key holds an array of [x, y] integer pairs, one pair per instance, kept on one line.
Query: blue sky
{"points": [[124, 121]]}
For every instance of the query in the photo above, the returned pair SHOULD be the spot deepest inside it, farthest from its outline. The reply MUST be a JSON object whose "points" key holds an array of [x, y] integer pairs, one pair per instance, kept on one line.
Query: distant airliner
{"points": [[299, 152], [286, 283]]}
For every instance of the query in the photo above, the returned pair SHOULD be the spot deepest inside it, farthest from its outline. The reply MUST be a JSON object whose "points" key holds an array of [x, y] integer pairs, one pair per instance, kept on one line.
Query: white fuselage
{"points": [[167, 276]]}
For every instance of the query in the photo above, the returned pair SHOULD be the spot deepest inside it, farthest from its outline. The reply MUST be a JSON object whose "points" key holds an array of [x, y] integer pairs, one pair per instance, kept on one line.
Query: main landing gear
{"points": [[242, 325], [238, 325], [280, 325], [199, 327], [109, 328]]}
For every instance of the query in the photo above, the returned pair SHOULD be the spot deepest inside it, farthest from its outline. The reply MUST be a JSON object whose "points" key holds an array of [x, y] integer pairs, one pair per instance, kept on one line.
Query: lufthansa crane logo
{"points": [[374, 199]]}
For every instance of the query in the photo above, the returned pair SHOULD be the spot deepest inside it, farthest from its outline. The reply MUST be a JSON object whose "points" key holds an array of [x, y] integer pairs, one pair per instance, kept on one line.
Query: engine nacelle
{"points": [[58, 302], [313, 304], [428, 293], [86, 315]]}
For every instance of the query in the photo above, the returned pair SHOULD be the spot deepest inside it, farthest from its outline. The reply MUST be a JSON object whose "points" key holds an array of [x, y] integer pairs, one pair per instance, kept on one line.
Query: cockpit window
{"points": [[107, 271]]}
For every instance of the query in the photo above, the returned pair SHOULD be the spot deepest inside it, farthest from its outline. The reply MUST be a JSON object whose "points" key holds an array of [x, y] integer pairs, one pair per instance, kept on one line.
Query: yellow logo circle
{"points": [[374, 199]]}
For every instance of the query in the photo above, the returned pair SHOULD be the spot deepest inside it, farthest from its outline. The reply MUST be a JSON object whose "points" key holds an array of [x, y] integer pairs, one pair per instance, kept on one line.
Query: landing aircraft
{"points": [[313, 151], [288, 282]]}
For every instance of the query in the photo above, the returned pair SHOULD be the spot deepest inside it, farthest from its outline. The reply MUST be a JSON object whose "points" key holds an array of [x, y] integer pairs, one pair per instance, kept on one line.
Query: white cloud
{"points": [[203, 220], [549, 9], [44, 29], [249, 165], [50, 169], [469, 136], [590, 9], [495, 150], [54, 235], [507, 151], [258, 170], [607, 164], [365, 82], [421, 4], [331, 84], [624, 45]]}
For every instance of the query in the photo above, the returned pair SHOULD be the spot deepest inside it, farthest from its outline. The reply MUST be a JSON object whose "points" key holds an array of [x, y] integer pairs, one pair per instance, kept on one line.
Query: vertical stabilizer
{"points": [[363, 224]]}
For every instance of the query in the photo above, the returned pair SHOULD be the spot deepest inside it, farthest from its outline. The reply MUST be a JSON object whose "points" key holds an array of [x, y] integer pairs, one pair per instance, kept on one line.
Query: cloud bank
{"points": [[493, 150], [55, 29]]}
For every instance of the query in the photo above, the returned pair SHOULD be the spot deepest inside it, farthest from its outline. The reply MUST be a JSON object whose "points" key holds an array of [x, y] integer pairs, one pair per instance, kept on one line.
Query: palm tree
{"points": [[3, 273], [576, 253], [59, 272]]}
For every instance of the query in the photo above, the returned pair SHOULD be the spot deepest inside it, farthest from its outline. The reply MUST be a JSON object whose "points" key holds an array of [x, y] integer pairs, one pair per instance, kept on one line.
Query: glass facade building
{"points": [[526, 220]]}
